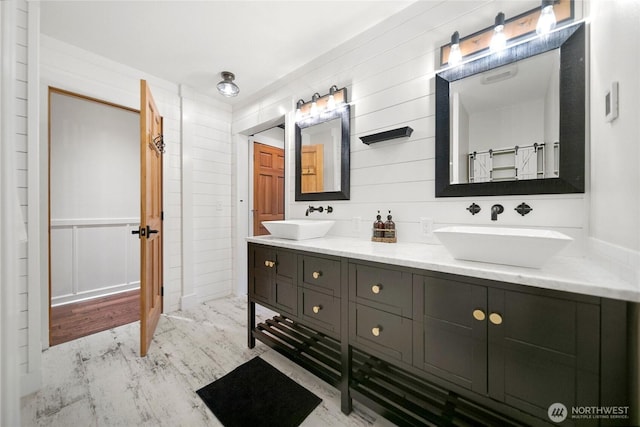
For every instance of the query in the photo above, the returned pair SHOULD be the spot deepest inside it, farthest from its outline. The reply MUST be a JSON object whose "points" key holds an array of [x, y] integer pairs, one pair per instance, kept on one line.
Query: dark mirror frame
{"points": [[343, 112], [571, 42]]}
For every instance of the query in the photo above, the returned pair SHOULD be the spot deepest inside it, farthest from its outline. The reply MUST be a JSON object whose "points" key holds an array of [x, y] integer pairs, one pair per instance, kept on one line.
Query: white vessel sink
{"points": [[522, 247], [298, 229]]}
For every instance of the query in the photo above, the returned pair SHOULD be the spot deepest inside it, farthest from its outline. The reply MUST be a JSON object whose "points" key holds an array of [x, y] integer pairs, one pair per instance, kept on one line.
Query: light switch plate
{"points": [[611, 102]]}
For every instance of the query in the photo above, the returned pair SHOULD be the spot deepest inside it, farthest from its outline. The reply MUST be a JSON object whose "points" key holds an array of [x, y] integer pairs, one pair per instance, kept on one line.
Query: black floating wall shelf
{"points": [[389, 134]]}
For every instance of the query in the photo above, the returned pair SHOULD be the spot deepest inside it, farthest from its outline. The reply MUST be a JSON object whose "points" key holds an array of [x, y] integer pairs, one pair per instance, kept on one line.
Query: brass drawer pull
{"points": [[316, 309], [495, 318], [317, 274], [376, 289], [479, 314], [376, 331], [269, 264]]}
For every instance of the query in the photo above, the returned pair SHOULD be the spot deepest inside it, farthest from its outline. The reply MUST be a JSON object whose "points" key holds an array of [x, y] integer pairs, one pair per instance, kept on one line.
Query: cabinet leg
{"points": [[251, 323], [345, 397]]}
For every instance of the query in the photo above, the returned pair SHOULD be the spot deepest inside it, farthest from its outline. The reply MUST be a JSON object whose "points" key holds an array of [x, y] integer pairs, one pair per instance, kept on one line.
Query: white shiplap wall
{"points": [[389, 72], [21, 147], [206, 145]]}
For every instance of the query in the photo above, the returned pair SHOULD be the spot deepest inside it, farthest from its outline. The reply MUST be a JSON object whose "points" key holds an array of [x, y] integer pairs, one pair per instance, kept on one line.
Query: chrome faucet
{"points": [[495, 211], [312, 209]]}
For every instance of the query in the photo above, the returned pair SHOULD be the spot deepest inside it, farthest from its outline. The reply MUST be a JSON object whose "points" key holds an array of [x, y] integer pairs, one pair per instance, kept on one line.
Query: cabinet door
{"points": [[542, 350], [451, 334], [260, 273], [285, 290]]}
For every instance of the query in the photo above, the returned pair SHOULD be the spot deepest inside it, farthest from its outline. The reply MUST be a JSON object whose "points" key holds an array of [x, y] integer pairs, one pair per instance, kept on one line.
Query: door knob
{"points": [[141, 232], [150, 231]]}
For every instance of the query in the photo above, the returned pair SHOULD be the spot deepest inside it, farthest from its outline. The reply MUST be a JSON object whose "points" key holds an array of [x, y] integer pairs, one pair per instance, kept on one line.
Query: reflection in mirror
{"points": [[514, 122], [505, 122], [322, 156]]}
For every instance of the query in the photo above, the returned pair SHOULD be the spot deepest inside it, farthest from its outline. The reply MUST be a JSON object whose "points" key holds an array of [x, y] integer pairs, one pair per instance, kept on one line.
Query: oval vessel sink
{"points": [[298, 229], [521, 247]]}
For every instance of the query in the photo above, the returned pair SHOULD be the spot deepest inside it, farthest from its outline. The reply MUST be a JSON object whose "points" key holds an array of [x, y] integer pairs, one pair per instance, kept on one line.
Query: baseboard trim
{"points": [[188, 301]]}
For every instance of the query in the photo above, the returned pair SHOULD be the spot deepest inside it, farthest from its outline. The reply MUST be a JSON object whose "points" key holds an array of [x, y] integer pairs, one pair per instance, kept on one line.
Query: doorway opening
{"points": [[94, 203], [268, 177]]}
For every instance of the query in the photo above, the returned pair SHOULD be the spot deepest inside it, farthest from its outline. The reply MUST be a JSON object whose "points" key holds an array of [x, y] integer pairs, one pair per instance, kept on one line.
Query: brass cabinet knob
{"points": [[316, 309], [376, 289], [266, 263], [317, 274], [479, 314], [495, 318], [376, 331]]}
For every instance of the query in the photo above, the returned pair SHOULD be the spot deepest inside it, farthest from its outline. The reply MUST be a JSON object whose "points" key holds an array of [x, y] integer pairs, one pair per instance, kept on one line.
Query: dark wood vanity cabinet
{"points": [[426, 347], [528, 349]]}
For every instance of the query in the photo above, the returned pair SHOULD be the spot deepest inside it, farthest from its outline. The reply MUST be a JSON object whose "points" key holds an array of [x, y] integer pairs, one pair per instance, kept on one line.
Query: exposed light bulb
{"points": [[455, 55], [314, 105], [547, 20], [499, 40]]}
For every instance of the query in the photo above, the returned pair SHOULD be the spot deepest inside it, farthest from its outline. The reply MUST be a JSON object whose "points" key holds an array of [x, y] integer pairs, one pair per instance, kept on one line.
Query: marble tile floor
{"points": [[100, 380]]}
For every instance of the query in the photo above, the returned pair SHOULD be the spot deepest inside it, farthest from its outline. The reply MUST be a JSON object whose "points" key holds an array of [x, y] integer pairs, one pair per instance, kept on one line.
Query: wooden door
{"points": [[268, 186], [151, 280], [313, 168]]}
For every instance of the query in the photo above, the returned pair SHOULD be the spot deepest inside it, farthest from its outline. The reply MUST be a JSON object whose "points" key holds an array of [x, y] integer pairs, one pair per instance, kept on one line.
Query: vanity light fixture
{"points": [[321, 104], [227, 87], [547, 19], [524, 25], [455, 55], [499, 40]]}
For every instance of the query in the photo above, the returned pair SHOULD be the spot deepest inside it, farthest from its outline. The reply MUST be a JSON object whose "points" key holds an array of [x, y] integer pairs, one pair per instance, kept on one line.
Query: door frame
{"points": [[47, 231]]}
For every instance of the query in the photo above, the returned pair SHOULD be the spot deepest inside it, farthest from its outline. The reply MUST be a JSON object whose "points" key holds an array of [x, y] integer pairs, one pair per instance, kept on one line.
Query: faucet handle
{"points": [[523, 209], [473, 208]]}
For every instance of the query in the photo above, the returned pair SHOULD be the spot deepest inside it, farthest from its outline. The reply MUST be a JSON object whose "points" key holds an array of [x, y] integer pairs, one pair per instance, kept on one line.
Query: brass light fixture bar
{"points": [[515, 28]]}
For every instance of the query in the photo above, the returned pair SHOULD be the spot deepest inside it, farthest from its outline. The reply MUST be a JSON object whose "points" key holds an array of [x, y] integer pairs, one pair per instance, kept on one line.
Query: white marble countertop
{"points": [[571, 274]]}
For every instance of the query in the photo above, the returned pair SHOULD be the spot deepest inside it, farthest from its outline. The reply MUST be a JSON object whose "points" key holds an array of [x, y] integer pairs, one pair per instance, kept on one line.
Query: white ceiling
{"points": [[191, 42]]}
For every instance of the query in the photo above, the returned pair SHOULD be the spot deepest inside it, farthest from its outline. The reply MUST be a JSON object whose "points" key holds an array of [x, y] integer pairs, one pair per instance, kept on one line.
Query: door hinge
{"points": [[162, 216], [162, 291]]}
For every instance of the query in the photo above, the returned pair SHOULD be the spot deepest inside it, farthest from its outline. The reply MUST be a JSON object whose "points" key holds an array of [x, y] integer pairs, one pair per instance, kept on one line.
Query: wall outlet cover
{"points": [[426, 225]]}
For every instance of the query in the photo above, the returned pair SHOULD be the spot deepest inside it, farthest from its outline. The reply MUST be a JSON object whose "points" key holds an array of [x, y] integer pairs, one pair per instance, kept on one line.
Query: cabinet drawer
{"points": [[321, 309], [321, 273], [383, 332], [382, 288]]}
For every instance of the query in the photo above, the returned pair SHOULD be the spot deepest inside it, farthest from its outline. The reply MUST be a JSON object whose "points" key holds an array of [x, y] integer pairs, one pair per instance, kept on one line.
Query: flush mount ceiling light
{"points": [[227, 87]]}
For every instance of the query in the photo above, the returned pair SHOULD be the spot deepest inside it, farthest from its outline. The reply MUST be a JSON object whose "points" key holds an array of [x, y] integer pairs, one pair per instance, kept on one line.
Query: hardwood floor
{"points": [[72, 321], [101, 380]]}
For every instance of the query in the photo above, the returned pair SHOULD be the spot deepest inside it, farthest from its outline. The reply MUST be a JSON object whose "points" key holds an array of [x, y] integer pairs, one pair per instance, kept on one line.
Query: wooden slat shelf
{"points": [[400, 396], [312, 350], [409, 400]]}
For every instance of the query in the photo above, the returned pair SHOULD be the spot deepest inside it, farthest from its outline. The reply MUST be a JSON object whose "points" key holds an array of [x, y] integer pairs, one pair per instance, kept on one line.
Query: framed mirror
{"points": [[323, 156], [514, 122]]}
